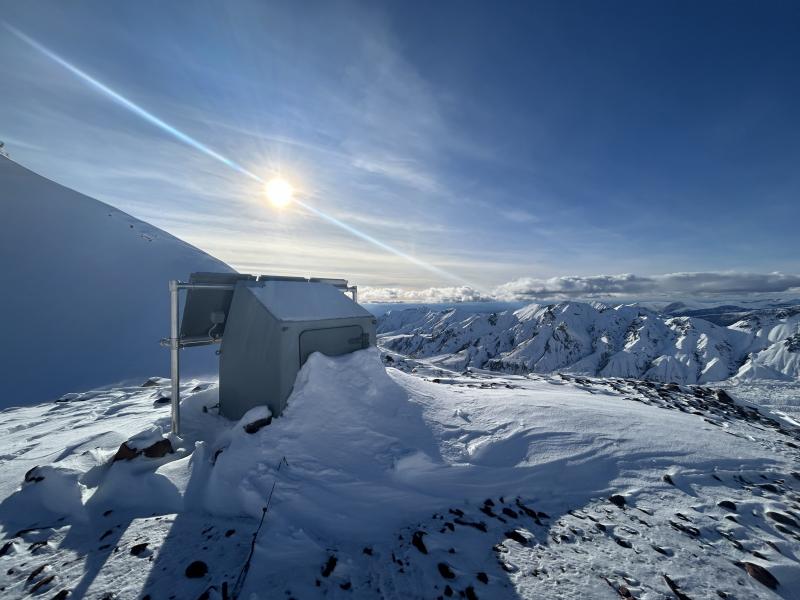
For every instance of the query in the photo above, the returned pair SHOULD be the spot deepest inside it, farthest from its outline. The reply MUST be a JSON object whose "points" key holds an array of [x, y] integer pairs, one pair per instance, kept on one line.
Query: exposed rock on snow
{"points": [[625, 341]]}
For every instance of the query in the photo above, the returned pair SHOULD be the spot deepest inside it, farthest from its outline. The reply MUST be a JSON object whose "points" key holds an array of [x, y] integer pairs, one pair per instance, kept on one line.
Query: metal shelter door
{"points": [[331, 341]]}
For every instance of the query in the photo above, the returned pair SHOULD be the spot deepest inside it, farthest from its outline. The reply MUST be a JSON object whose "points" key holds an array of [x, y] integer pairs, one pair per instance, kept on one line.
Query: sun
{"points": [[279, 192]]}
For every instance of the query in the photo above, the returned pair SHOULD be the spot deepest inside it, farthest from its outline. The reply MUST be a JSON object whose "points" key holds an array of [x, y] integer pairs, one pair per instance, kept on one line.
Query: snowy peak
{"points": [[594, 339]]}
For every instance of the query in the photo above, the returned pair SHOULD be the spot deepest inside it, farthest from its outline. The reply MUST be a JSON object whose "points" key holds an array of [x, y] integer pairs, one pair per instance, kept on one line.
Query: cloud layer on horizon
{"points": [[708, 283]]}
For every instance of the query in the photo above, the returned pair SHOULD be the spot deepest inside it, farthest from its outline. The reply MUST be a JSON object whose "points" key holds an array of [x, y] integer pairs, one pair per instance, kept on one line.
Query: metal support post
{"points": [[174, 349]]}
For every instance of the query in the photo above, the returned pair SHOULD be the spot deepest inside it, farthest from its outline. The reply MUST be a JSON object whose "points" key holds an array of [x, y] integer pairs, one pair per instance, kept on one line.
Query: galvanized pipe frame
{"points": [[175, 344]]}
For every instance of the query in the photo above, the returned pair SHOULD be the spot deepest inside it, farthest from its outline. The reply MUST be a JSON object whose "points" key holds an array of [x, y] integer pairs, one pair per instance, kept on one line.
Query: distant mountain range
{"points": [[629, 341]]}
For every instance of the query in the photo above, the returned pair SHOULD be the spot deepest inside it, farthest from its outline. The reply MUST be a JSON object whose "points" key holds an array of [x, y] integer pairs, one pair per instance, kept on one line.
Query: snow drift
{"points": [[84, 299], [382, 483]]}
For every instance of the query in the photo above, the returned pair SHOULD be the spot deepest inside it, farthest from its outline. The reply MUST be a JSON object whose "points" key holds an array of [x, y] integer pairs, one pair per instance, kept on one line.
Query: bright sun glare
{"points": [[279, 192]]}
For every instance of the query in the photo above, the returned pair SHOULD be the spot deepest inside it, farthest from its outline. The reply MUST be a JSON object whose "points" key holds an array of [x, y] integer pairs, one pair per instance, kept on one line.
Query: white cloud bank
{"points": [[531, 288]]}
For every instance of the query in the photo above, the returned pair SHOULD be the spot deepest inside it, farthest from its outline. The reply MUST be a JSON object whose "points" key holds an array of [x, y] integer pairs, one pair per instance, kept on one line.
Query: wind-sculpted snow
{"points": [[84, 300], [409, 482], [624, 341]]}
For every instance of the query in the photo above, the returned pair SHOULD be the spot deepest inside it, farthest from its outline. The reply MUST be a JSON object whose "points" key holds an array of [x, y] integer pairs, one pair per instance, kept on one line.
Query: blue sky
{"points": [[501, 142]]}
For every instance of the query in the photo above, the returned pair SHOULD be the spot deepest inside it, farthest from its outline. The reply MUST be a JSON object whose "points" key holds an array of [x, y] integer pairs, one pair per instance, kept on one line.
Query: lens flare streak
{"points": [[190, 141]]}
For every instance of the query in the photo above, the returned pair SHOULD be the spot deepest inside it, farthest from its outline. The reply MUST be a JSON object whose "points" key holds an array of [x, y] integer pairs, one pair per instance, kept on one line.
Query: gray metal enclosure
{"points": [[272, 327]]}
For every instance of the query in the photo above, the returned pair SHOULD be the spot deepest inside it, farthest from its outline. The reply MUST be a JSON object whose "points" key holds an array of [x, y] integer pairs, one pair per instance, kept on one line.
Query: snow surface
{"points": [[306, 301], [406, 482], [594, 339], [85, 299]]}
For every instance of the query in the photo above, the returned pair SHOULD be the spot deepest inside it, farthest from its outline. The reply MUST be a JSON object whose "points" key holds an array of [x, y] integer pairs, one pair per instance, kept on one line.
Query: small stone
{"points": [[517, 537], [138, 549], [159, 449], [34, 475], [761, 575], [667, 478], [482, 577], [675, 588], [257, 424], [782, 518], [617, 500], [330, 565], [196, 569], [125, 452], [445, 571], [416, 541], [727, 505]]}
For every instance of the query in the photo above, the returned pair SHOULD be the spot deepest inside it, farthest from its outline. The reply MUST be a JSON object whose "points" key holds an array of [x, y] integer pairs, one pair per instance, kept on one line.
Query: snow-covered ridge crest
{"points": [[593, 339], [85, 290]]}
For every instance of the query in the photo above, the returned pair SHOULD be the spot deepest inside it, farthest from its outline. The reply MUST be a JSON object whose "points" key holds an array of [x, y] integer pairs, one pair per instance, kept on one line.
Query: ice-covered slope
{"points": [[383, 483], [622, 341], [84, 290]]}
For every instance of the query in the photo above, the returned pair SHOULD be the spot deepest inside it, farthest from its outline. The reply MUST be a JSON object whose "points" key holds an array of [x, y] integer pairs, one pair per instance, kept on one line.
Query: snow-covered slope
{"points": [[383, 483], [84, 300], [594, 339]]}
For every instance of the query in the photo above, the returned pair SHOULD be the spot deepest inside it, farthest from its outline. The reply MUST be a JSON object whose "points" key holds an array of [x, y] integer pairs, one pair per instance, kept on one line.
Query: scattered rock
{"points": [[329, 566], [42, 583], [367, 551], [152, 382], [33, 574], [510, 513], [158, 449], [724, 396], [138, 549], [667, 478], [480, 526], [61, 595], [727, 505], [34, 475], [445, 571], [416, 541], [161, 400], [482, 577], [687, 529], [125, 452], [257, 424], [346, 586], [782, 518], [617, 500], [675, 588], [517, 537], [196, 569], [469, 592], [230, 532], [760, 574], [6, 548]]}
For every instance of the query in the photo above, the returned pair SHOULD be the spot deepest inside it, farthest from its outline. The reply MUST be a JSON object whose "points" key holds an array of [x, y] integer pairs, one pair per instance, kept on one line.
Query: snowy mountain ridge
{"points": [[628, 341], [86, 297]]}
